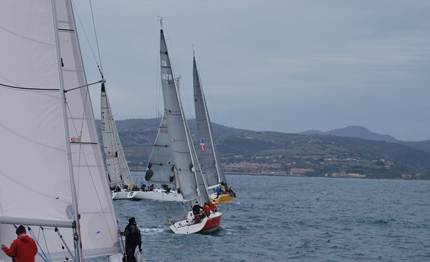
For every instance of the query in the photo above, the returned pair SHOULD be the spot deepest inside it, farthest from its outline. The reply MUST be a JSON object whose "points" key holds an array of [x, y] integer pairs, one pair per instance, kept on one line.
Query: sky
{"points": [[274, 65]]}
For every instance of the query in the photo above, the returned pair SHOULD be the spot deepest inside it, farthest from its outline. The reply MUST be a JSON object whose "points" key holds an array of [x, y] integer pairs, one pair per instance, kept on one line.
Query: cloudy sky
{"points": [[274, 65]]}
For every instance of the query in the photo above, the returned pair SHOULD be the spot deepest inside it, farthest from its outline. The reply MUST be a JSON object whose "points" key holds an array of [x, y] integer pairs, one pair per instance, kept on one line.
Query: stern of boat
{"points": [[226, 198]]}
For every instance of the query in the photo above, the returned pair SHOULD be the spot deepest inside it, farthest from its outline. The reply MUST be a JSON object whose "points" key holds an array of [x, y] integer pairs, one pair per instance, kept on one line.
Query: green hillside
{"points": [[245, 151]]}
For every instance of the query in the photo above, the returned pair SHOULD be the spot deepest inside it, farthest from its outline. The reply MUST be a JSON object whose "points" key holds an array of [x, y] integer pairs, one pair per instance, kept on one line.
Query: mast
{"points": [[76, 229]]}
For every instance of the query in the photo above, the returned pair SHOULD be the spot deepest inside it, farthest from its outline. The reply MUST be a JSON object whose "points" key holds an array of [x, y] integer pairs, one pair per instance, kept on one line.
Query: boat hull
{"points": [[122, 195], [158, 194], [207, 225], [225, 198]]}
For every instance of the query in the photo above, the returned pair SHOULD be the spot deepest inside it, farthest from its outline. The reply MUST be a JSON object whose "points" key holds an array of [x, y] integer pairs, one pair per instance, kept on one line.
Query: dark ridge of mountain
{"points": [[281, 152], [153, 123], [139, 123], [420, 145], [312, 132], [353, 131]]}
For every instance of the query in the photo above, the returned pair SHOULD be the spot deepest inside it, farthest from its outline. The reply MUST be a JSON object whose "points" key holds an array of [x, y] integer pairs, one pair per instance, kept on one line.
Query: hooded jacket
{"points": [[132, 235], [22, 249]]}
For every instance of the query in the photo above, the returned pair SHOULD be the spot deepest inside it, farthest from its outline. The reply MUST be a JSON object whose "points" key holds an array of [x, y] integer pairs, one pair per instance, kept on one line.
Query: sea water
{"points": [[296, 219]]}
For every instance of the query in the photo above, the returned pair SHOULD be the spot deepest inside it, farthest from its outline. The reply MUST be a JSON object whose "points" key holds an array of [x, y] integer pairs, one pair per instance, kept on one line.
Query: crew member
{"points": [[23, 248], [132, 239]]}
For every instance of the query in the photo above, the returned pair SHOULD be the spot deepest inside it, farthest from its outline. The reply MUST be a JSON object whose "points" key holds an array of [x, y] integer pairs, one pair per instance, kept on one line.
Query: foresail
{"points": [[34, 166], [116, 163], [99, 228], [160, 166], [33, 161], [208, 151], [176, 127]]}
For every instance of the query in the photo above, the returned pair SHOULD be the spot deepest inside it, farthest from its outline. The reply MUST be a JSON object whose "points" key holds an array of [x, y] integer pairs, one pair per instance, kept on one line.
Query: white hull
{"points": [[207, 225], [119, 257], [158, 194], [122, 195]]}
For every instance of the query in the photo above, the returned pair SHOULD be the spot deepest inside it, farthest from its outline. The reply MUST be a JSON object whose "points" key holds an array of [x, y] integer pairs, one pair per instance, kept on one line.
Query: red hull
{"points": [[212, 224]]}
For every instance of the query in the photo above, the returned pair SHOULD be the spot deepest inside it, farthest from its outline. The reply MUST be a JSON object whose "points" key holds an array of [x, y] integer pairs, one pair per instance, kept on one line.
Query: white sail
{"points": [[35, 168], [160, 166], [209, 152], [116, 163], [186, 164]]}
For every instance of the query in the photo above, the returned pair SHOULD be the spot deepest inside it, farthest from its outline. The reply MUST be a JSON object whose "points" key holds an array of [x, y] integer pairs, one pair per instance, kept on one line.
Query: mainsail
{"points": [[184, 156], [47, 179], [209, 152], [116, 163]]}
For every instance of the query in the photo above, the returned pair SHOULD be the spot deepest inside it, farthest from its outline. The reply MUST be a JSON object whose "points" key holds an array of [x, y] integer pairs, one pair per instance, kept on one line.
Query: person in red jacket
{"points": [[213, 205], [23, 248], [207, 209]]}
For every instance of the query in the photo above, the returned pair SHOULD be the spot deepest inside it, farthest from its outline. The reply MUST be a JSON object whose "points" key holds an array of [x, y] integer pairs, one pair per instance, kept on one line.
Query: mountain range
{"points": [[353, 131], [353, 149]]}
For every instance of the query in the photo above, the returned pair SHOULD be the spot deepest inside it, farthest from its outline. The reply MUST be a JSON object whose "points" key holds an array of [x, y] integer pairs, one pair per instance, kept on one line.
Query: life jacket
{"points": [[207, 210], [211, 206]]}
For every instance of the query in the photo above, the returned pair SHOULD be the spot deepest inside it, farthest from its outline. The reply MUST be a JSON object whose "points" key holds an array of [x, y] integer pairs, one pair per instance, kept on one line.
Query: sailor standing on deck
{"points": [[132, 239]]}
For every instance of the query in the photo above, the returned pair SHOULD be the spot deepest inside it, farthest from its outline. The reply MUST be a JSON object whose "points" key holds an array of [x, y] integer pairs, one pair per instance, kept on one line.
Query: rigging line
{"points": [[42, 253], [97, 41], [86, 36], [50, 89], [87, 85], [46, 244], [30, 88], [64, 245]]}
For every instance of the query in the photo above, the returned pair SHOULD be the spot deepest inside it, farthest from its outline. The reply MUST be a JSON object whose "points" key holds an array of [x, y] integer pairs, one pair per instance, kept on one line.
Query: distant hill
{"points": [[246, 151], [421, 145], [353, 131]]}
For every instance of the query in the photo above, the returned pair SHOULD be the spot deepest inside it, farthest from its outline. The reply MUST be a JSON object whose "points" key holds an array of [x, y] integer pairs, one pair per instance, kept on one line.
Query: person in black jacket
{"points": [[132, 239]]}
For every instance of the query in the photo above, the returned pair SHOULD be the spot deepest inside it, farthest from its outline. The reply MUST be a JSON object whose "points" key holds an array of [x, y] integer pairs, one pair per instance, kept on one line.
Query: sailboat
{"points": [[186, 166], [160, 170], [51, 166], [215, 177], [118, 172]]}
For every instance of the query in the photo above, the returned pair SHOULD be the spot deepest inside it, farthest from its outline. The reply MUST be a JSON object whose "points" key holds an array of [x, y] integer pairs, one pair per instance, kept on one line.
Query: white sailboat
{"points": [[211, 163], [186, 166], [51, 166], [118, 172], [160, 170]]}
